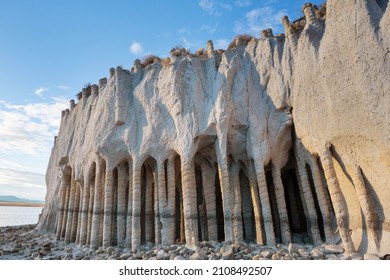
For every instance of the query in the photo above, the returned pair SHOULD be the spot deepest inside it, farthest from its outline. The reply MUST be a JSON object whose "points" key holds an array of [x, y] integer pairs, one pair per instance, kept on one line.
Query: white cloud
{"points": [[29, 129], [214, 8], [182, 31], [221, 44], [243, 3], [259, 19], [40, 91], [23, 184], [136, 48], [208, 28], [63, 87], [207, 6]]}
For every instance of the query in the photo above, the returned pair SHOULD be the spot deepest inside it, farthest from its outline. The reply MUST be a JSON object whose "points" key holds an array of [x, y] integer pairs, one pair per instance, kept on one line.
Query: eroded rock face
{"points": [[285, 138]]}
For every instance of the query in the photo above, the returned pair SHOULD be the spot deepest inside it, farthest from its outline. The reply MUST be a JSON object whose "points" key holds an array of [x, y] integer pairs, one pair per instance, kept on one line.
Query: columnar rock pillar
{"points": [[149, 213], [238, 234], [68, 232], [338, 200], [162, 197], [189, 202], [129, 219], [77, 222], [208, 178], [309, 201], [224, 180], [256, 204], [84, 211], [97, 205], [66, 208], [265, 204], [120, 101], [157, 222], [108, 206], [310, 14], [364, 197], [170, 209], [291, 33], [75, 217], [90, 209], [322, 201], [281, 203], [136, 217], [121, 213], [61, 208]]}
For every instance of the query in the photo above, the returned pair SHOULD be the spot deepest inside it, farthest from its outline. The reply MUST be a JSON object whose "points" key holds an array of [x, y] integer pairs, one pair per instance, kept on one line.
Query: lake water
{"points": [[18, 215]]}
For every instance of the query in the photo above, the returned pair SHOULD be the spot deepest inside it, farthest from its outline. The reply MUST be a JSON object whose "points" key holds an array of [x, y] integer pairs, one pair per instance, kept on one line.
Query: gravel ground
{"points": [[24, 243]]}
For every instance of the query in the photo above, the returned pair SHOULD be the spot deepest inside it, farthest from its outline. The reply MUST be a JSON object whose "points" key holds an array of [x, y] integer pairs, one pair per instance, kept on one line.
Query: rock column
{"points": [[338, 200], [108, 206], [121, 209], [265, 204], [309, 201], [189, 202], [281, 203], [97, 206], [209, 196], [136, 220]]}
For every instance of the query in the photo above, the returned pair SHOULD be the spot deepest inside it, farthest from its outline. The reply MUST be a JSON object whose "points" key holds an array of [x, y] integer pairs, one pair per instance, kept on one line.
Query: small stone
{"points": [[256, 257], [110, 250], [227, 251], [214, 256], [266, 254], [79, 256], [125, 256], [69, 256], [344, 257], [179, 258], [47, 244], [162, 255], [331, 257], [317, 254], [294, 248], [332, 249]]}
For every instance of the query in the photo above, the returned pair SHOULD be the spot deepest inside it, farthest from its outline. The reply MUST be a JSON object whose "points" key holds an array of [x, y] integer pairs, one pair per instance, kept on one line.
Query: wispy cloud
{"points": [[136, 48], [207, 6], [208, 28], [221, 44], [259, 19], [214, 8], [23, 184], [41, 91], [29, 129], [183, 31], [63, 87], [243, 3]]}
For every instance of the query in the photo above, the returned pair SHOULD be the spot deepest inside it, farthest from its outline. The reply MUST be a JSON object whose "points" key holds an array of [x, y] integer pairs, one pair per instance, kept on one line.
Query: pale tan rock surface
{"points": [[285, 138]]}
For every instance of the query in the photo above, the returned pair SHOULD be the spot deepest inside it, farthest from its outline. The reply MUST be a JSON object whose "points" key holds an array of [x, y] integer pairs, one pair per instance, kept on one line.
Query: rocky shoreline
{"points": [[24, 243]]}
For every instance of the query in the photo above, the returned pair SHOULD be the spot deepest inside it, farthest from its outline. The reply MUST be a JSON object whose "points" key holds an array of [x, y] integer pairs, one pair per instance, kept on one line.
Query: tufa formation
{"points": [[279, 139]]}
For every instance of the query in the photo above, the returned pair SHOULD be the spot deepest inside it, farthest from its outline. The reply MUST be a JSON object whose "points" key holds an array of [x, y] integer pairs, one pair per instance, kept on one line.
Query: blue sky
{"points": [[50, 49]]}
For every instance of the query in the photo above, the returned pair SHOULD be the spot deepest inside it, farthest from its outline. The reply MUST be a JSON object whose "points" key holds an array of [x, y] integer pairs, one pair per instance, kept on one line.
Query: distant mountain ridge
{"points": [[11, 198]]}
